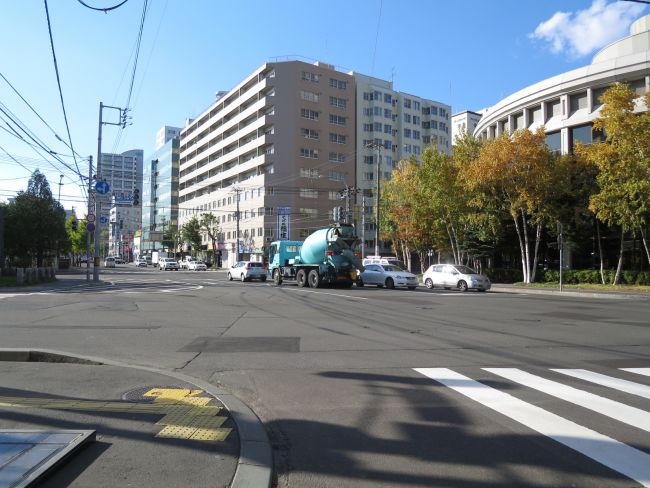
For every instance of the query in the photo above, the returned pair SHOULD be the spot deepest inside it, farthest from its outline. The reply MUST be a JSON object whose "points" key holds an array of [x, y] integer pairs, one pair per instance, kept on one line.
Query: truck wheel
{"points": [[390, 283], [229, 276], [277, 277], [301, 278], [314, 278]]}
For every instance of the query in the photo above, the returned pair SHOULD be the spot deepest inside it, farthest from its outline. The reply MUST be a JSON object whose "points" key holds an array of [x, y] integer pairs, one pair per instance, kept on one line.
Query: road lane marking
{"points": [[608, 381], [325, 293], [610, 408], [643, 371], [616, 455]]}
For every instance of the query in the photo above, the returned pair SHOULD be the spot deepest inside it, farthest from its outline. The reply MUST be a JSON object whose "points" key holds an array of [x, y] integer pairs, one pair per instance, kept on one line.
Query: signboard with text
{"points": [[284, 223]]}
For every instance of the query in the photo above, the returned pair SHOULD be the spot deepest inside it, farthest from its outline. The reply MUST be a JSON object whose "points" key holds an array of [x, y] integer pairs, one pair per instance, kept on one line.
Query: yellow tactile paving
{"points": [[186, 415]]}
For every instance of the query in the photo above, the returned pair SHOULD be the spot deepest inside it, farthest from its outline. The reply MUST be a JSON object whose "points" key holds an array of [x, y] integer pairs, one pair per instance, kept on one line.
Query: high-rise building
{"points": [[165, 134], [463, 123], [160, 194], [392, 125], [270, 156]]}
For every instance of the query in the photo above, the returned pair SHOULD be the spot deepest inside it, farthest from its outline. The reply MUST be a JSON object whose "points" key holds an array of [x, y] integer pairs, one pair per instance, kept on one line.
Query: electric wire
{"points": [[105, 9], [58, 82]]}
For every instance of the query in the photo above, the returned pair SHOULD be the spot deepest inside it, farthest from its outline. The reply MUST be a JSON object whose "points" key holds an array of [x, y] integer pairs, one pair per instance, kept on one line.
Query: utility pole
{"points": [[375, 145], [60, 184], [363, 225], [90, 196], [98, 205]]}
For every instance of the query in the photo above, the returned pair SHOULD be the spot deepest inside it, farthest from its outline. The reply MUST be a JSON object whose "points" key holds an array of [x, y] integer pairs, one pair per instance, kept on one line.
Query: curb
{"points": [[563, 293], [254, 467]]}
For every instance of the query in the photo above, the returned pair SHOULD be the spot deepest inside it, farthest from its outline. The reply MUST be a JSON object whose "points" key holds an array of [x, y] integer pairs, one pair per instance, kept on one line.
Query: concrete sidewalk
{"points": [[567, 292], [153, 428]]}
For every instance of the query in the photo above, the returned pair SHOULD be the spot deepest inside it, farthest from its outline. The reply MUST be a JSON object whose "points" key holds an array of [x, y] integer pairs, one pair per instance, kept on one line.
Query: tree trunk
{"points": [[451, 243], [422, 255], [645, 244], [620, 260], [521, 248], [600, 254], [538, 238], [524, 227]]}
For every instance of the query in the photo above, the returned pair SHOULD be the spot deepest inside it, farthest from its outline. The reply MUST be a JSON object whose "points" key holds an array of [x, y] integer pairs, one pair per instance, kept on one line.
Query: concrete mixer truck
{"points": [[327, 256]]}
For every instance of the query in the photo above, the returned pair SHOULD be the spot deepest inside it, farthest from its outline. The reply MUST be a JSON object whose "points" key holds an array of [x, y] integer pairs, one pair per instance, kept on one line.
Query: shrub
{"points": [[504, 275]]}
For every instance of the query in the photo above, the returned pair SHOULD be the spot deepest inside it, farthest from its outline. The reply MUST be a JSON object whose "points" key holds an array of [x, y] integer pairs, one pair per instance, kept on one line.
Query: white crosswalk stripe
{"points": [[608, 381], [643, 371], [610, 452]]}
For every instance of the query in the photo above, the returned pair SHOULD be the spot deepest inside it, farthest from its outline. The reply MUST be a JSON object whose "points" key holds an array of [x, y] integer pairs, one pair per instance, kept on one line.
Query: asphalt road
{"points": [[382, 388]]}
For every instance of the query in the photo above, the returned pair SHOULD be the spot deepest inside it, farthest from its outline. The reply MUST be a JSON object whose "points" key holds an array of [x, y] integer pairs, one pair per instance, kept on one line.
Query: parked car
{"points": [[119, 260], [165, 264], [140, 262], [388, 275], [185, 262], [109, 262], [451, 276], [247, 271], [383, 260], [149, 261], [196, 266]]}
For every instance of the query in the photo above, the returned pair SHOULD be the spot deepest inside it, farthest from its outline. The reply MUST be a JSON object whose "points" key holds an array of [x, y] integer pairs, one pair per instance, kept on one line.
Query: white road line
{"points": [[615, 410], [643, 371], [608, 381], [615, 455], [325, 293]]}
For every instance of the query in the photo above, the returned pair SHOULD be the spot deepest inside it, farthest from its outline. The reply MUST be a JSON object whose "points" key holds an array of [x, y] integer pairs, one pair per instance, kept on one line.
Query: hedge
{"points": [[592, 276]]}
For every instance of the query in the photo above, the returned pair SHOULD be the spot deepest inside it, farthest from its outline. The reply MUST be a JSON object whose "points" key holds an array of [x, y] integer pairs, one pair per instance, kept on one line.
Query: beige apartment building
{"points": [[278, 148]]}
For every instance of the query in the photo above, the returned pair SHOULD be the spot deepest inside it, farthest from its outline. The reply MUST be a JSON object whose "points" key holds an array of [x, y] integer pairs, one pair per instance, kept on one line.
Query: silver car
{"points": [[388, 275], [450, 276], [247, 271]]}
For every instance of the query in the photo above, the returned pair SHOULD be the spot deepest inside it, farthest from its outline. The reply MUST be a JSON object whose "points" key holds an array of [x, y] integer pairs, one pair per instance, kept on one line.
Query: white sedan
{"points": [[196, 266], [387, 275]]}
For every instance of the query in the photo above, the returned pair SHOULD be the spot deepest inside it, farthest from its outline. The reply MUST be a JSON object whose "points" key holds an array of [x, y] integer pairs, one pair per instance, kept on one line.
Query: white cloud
{"points": [[580, 33]]}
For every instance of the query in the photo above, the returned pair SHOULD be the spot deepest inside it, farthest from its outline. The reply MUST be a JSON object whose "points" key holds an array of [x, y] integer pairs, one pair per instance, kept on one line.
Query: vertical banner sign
{"points": [[284, 223]]}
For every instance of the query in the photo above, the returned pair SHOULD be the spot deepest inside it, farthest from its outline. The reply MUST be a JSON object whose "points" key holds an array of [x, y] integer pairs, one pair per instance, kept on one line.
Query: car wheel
{"points": [[243, 277], [229, 276], [301, 278], [263, 278], [359, 283], [462, 285], [390, 283], [429, 283]]}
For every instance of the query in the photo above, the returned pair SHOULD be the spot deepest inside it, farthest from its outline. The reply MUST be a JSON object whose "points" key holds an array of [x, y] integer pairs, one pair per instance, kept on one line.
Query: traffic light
{"points": [[337, 214], [74, 224], [136, 197]]}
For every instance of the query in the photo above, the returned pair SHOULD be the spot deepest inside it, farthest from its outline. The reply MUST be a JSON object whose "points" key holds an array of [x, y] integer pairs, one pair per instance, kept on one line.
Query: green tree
{"points": [[35, 223], [190, 233], [77, 238], [209, 223], [623, 162], [515, 174]]}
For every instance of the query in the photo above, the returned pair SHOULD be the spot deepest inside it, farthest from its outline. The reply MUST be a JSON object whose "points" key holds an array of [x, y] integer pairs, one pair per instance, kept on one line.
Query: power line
{"points": [[58, 82], [105, 9]]}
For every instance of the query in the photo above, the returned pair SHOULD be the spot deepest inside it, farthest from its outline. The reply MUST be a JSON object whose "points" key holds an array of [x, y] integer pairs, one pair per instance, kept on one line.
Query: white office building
{"points": [[463, 123], [567, 104]]}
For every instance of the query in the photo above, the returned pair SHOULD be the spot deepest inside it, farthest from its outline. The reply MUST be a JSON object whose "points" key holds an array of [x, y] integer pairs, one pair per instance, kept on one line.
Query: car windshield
{"points": [[465, 270], [390, 267]]}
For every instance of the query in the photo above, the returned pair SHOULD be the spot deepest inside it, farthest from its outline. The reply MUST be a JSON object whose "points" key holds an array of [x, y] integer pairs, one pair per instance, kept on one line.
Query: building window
{"points": [[336, 157], [408, 149], [337, 120], [577, 102], [309, 212], [596, 94], [309, 173], [308, 153], [309, 96], [580, 133], [388, 129], [308, 193], [308, 114], [407, 103], [407, 133], [637, 86], [338, 102], [309, 133], [407, 118], [552, 109], [337, 138], [416, 135], [334, 195], [518, 120], [336, 175], [417, 119], [368, 159], [368, 176], [554, 141], [309, 76], [341, 85]]}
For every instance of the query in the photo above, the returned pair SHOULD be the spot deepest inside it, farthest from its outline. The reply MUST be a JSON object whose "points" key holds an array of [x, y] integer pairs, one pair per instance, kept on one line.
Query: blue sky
{"points": [[469, 54]]}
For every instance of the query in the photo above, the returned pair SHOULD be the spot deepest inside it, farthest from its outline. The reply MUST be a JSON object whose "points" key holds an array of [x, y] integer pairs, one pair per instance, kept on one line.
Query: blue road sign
{"points": [[90, 227], [102, 187], [103, 220]]}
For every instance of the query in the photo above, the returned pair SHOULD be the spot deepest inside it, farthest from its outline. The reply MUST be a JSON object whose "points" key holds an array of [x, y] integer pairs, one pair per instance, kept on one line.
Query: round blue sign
{"points": [[102, 187]]}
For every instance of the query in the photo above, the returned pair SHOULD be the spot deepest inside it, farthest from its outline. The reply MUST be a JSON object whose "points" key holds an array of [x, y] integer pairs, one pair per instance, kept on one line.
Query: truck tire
{"points": [[301, 278], [314, 278], [277, 277]]}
